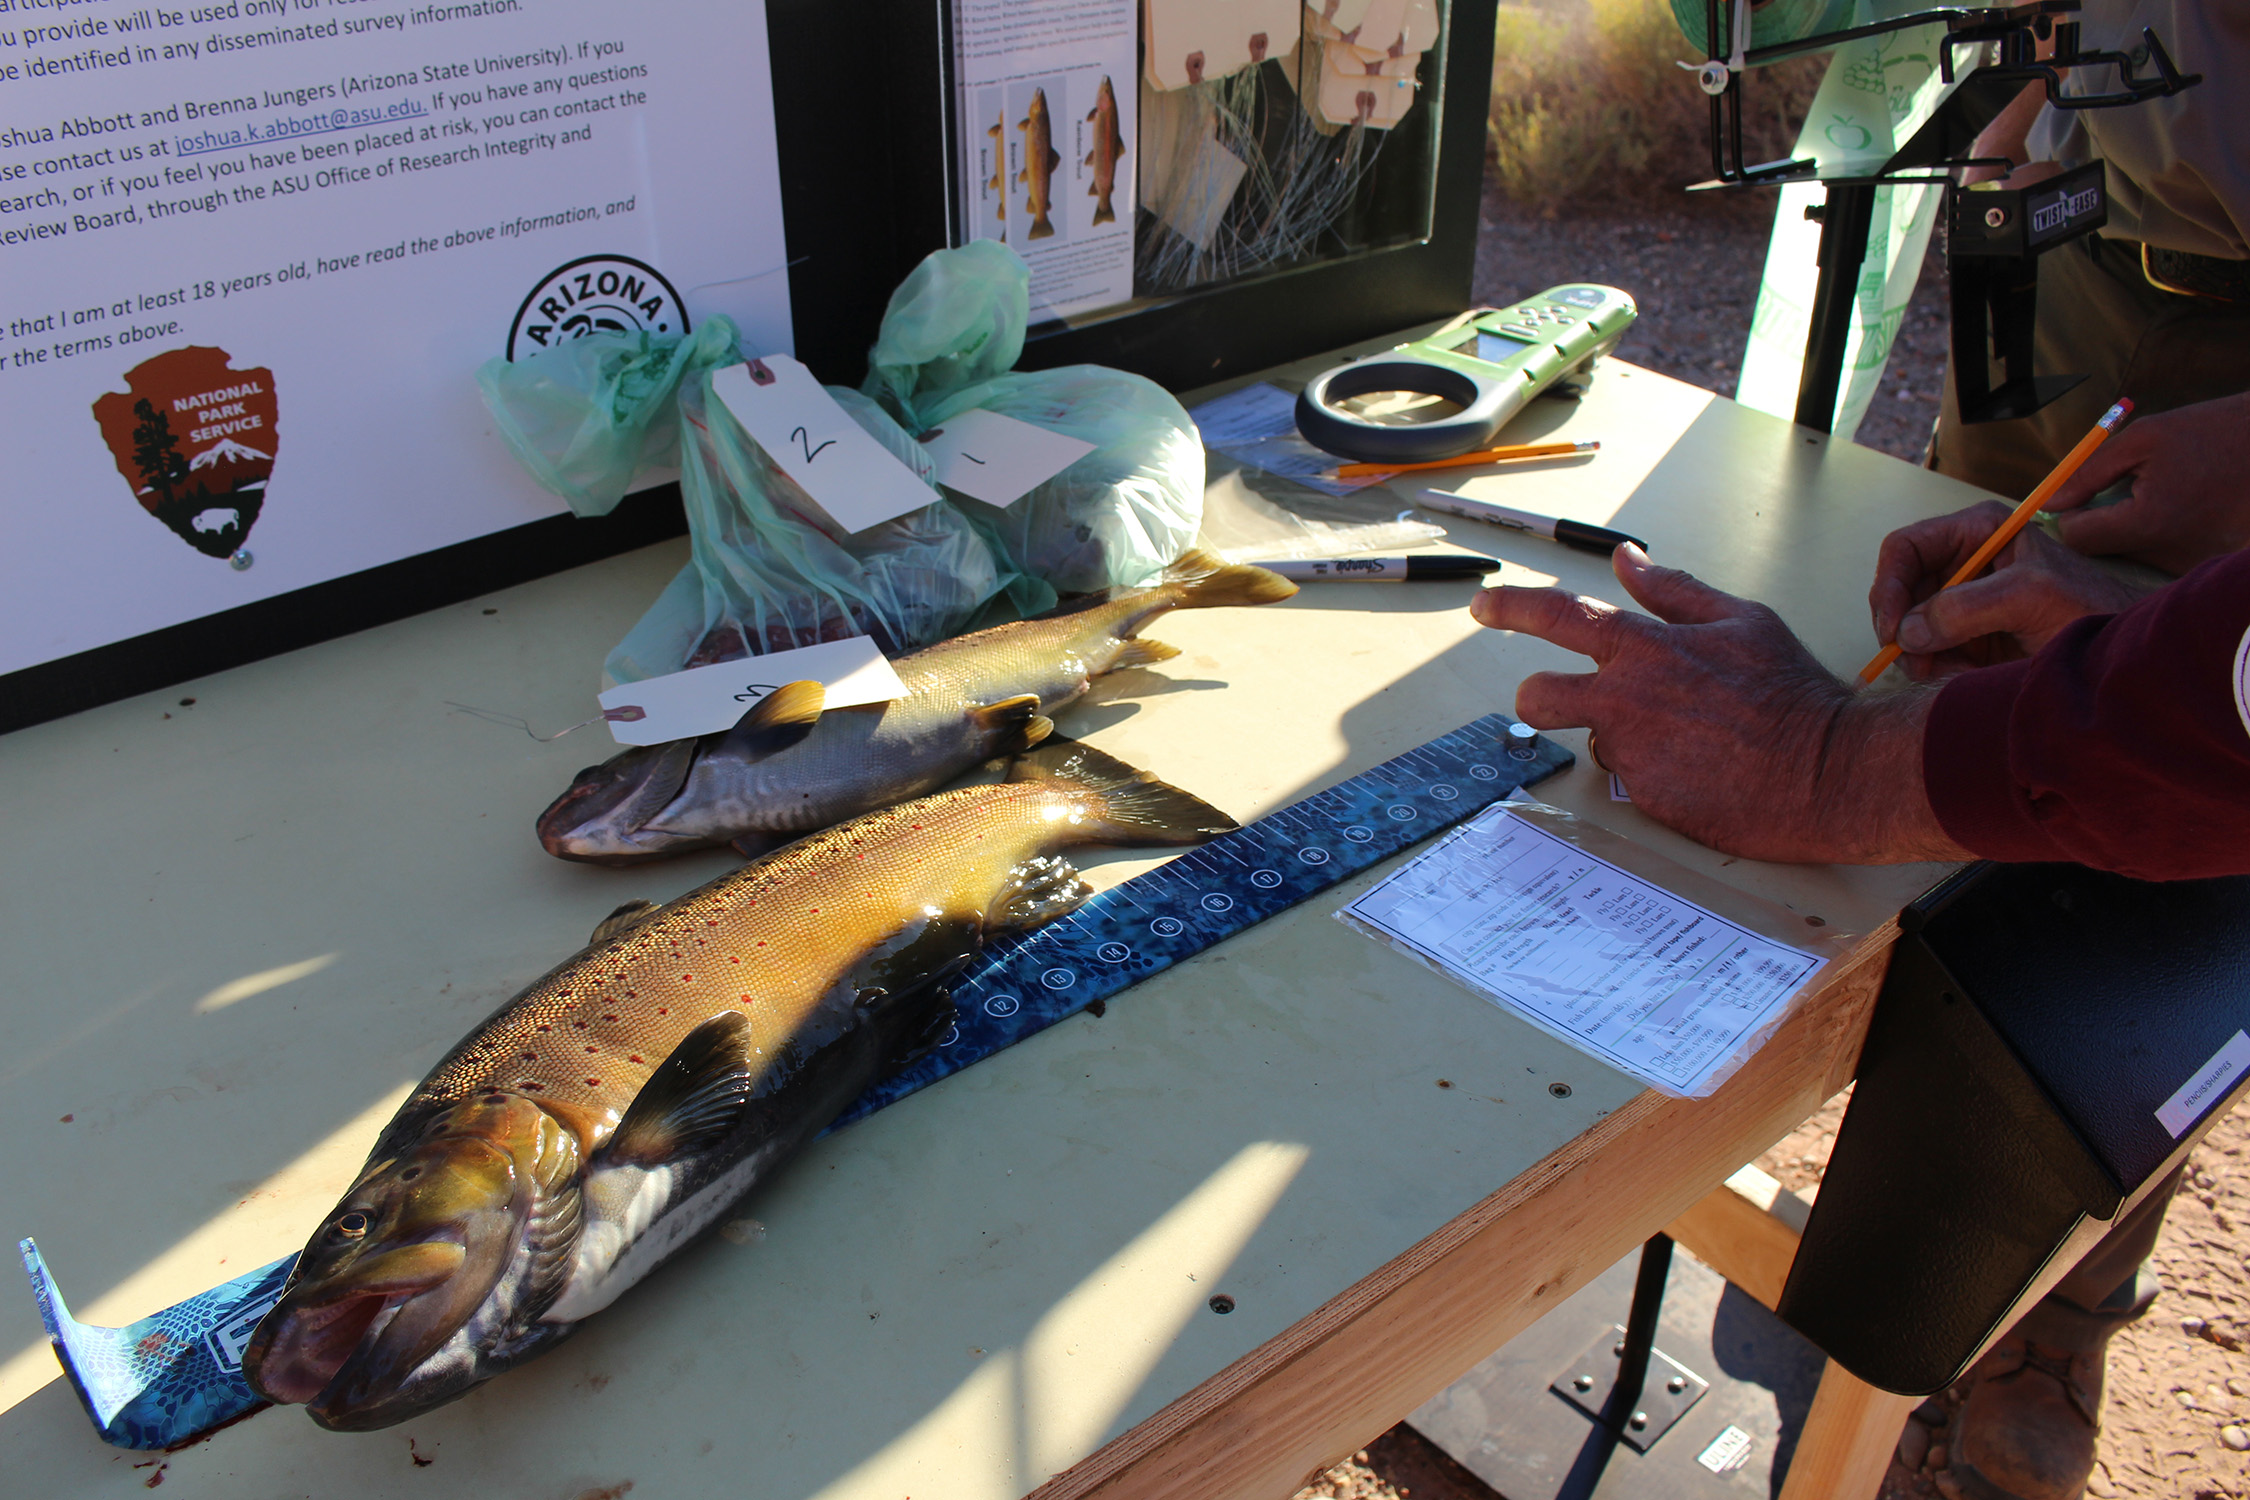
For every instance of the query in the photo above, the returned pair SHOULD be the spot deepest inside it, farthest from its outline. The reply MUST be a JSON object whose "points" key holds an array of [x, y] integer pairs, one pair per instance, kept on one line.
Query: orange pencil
{"points": [[1464, 460], [2110, 422]]}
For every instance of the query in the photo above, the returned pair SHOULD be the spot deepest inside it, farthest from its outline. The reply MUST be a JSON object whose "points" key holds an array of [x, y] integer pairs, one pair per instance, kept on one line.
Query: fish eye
{"points": [[410, 1174], [352, 1226]]}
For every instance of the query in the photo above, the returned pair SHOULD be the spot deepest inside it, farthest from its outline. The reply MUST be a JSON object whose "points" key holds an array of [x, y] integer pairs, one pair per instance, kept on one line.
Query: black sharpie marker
{"points": [[1580, 534], [1432, 568]]}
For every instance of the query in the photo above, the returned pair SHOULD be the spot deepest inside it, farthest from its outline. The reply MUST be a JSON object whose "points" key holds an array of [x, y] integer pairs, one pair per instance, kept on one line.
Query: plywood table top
{"points": [[238, 931]]}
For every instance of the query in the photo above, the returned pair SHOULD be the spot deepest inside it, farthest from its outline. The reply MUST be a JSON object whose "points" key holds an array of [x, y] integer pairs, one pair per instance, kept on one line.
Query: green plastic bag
{"points": [[586, 416], [769, 570], [949, 342]]}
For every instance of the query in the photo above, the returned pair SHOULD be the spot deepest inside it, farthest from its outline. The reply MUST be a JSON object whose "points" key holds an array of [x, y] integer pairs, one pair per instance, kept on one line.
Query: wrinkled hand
{"points": [[1722, 724], [2191, 488], [2035, 588]]}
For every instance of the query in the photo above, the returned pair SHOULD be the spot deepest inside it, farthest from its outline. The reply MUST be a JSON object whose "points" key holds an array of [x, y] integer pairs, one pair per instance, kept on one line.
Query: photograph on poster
{"points": [[223, 227]]}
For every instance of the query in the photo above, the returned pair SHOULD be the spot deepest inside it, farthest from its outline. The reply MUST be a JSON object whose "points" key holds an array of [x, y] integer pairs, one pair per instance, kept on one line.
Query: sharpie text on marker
{"points": [[1583, 535], [1432, 568]]}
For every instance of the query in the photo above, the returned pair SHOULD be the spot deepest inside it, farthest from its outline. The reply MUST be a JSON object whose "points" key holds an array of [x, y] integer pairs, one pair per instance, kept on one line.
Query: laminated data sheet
{"points": [[1651, 983]]}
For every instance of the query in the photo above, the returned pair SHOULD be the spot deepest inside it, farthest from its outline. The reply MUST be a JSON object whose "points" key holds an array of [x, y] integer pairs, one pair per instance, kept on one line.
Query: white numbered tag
{"points": [[705, 700], [998, 459], [815, 441]]}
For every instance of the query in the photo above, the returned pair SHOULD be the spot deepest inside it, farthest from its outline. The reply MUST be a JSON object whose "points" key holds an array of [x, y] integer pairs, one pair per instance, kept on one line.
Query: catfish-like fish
{"points": [[628, 1099], [1039, 162], [789, 767], [1109, 147]]}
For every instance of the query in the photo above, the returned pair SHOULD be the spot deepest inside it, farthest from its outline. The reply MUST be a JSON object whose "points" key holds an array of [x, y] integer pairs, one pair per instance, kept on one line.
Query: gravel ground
{"points": [[2179, 1381], [1693, 265]]}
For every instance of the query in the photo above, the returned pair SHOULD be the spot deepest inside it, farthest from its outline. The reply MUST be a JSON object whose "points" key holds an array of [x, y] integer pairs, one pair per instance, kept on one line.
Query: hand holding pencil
{"points": [[1979, 560]]}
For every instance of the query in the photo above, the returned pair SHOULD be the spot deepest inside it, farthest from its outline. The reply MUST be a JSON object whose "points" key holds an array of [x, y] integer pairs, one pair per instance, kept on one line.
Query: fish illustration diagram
{"points": [[997, 130], [1109, 149], [1039, 162]]}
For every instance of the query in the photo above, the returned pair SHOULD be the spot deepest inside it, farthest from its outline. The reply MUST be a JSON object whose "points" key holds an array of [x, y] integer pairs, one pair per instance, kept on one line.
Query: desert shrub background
{"points": [[1587, 97]]}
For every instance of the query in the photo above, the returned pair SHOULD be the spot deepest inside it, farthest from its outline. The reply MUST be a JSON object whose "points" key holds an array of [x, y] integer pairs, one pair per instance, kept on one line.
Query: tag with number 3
{"points": [[815, 441]]}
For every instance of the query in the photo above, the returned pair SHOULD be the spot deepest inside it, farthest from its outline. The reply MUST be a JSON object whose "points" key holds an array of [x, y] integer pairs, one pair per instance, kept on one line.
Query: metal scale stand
{"points": [[1994, 235]]}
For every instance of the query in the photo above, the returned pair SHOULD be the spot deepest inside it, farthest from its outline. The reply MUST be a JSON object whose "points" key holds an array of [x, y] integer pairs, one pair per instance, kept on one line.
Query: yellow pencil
{"points": [[1464, 460], [2110, 422]]}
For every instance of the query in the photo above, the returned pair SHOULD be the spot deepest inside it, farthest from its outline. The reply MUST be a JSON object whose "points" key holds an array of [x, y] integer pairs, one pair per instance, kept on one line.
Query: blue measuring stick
{"points": [[159, 1382]]}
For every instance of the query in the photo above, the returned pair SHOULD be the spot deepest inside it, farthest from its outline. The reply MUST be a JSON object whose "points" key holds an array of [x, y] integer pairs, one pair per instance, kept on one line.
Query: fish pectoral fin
{"points": [[1038, 891], [621, 921], [904, 988], [695, 1096], [778, 720], [1017, 721], [1143, 654]]}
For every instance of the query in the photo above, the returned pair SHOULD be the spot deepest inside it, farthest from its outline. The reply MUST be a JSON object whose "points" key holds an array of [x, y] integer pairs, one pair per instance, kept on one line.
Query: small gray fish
{"points": [[790, 767]]}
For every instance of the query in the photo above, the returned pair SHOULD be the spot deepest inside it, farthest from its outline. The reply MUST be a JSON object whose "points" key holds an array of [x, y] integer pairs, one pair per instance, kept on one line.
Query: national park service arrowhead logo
{"points": [[195, 438], [595, 294]]}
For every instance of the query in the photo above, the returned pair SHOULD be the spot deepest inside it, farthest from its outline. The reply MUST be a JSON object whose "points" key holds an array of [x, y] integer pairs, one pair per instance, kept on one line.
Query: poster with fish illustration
{"points": [[248, 271], [1047, 92], [1039, 106]]}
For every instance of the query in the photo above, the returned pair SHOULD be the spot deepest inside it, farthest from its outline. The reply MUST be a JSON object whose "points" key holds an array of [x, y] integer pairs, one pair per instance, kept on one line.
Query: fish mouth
{"points": [[602, 816], [311, 1346]]}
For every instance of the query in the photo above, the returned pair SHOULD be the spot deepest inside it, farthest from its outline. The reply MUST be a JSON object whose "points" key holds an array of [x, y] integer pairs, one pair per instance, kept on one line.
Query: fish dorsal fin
{"points": [[1017, 721], [695, 1096], [778, 720], [621, 921]]}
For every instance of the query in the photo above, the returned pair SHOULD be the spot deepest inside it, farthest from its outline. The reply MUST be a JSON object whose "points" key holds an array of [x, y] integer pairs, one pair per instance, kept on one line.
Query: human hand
{"points": [[1724, 726], [2191, 488], [2037, 586]]}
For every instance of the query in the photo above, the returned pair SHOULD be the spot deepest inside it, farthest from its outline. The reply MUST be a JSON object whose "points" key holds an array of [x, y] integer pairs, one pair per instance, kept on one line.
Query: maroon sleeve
{"points": [[2124, 744]]}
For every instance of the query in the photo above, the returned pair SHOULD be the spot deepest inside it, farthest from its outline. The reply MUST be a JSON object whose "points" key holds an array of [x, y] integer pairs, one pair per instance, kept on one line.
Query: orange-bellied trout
{"points": [[1040, 158], [789, 767], [1109, 147], [627, 1100]]}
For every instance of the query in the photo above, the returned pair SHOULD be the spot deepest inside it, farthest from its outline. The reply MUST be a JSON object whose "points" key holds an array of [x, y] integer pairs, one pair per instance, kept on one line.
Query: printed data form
{"points": [[1653, 985]]}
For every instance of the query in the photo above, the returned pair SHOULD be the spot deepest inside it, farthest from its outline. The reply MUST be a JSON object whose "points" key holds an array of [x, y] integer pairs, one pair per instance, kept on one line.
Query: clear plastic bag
{"points": [[950, 337]]}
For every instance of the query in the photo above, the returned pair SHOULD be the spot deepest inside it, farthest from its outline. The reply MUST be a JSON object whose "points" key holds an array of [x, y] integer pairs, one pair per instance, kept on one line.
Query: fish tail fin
{"points": [[1202, 579], [1135, 807], [1104, 214]]}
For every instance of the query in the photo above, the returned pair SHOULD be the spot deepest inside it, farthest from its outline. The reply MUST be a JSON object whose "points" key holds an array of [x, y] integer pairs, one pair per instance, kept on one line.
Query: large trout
{"points": [[789, 768], [1040, 158], [627, 1100], [1109, 148]]}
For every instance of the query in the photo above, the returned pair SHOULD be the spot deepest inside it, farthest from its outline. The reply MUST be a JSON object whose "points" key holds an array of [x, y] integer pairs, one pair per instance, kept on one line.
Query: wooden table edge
{"points": [[1298, 1404]]}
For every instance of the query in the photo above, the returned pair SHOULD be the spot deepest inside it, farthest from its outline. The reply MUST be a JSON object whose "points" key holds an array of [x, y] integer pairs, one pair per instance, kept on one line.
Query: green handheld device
{"points": [[1489, 363]]}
